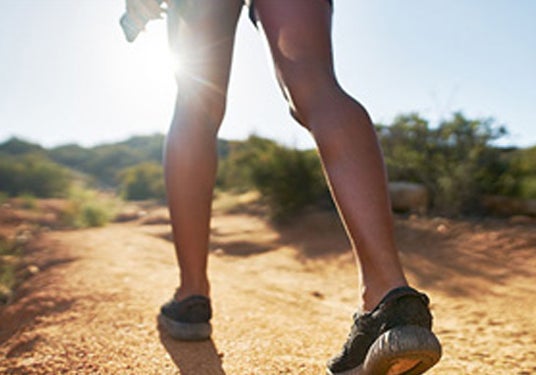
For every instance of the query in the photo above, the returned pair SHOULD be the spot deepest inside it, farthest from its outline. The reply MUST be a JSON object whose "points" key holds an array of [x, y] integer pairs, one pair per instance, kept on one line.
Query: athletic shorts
{"points": [[253, 18]]}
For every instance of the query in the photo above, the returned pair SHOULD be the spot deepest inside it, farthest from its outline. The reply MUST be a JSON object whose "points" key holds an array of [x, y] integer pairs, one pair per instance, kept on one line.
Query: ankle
{"points": [[372, 295], [187, 289]]}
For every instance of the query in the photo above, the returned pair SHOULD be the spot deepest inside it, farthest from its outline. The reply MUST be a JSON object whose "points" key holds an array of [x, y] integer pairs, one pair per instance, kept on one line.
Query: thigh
{"points": [[299, 35], [201, 37]]}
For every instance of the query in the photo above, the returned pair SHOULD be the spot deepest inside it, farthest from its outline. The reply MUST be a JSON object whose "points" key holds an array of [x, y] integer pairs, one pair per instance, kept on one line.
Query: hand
{"points": [[144, 9]]}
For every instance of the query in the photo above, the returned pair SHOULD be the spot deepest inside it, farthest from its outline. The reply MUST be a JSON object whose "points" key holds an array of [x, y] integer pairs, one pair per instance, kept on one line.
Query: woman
{"points": [[392, 333]]}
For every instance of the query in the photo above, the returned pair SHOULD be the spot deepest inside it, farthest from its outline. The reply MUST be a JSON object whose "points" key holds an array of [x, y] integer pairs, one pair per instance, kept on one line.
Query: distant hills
{"points": [[101, 163], [457, 162]]}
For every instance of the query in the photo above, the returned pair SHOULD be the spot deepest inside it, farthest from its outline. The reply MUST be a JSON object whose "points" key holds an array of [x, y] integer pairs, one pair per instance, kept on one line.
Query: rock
{"points": [[317, 294], [32, 269], [219, 252], [408, 197], [442, 228]]}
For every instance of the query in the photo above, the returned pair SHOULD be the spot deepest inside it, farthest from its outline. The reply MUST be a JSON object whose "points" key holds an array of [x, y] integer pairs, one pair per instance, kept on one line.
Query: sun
{"points": [[176, 62]]}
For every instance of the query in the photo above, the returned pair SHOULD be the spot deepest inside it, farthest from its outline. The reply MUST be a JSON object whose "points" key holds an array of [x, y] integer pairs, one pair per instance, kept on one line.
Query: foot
{"points": [[395, 338], [188, 319]]}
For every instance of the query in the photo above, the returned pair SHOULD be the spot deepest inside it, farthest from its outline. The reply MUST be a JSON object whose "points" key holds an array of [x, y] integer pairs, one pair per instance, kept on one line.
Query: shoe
{"points": [[188, 319], [395, 338]]}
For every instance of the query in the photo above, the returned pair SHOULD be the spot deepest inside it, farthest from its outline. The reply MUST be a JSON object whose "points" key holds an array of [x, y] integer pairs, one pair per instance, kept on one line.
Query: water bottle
{"points": [[136, 17]]}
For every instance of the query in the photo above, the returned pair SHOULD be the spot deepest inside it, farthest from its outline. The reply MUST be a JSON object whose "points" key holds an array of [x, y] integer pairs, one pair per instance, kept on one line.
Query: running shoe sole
{"points": [[185, 331], [405, 350]]}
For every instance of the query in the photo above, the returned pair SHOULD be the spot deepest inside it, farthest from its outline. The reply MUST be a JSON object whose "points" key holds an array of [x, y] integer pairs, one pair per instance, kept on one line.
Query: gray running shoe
{"points": [[188, 319], [393, 339]]}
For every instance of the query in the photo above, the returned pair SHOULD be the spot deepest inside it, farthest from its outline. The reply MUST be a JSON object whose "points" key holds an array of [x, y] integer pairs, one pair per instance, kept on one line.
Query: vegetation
{"points": [[520, 178], [236, 169], [456, 160], [16, 146], [88, 208], [288, 180], [143, 181], [104, 163], [9, 252], [32, 174]]}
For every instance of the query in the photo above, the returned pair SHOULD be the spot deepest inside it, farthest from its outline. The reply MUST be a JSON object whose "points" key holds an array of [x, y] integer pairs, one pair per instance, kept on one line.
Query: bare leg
{"points": [[203, 39], [298, 33]]}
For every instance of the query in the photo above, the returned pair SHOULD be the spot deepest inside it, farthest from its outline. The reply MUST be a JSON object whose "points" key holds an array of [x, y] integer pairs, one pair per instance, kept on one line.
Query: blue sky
{"points": [[69, 76]]}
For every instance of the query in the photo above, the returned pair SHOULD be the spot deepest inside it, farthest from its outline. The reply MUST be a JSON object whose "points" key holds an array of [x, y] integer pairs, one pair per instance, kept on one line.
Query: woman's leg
{"points": [[201, 35], [299, 36]]}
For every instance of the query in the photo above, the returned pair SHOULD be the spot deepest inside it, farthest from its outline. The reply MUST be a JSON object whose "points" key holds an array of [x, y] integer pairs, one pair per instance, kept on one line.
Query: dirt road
{"points": [[283, 298]]}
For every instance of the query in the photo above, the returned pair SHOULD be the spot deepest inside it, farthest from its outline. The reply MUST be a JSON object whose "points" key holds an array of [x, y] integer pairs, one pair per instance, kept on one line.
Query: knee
{"points": [[200, 107], [308, 91]]}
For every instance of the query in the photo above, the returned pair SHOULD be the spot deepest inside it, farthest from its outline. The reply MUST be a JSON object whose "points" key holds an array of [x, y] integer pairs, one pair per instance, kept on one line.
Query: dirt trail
{"points": [[282, 298]]}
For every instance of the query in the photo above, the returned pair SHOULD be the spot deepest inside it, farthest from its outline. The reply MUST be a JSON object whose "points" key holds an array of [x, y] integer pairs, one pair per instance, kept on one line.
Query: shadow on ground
{"points": [[433, 250], [28, 309], [193, 358], [316, 234], [28, 302]]}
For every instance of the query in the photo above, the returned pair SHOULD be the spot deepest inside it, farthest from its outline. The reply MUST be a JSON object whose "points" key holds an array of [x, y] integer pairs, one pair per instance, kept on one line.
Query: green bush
{"points": [[289, 180], [527, 187], [9, 260], [522, 173], [28, 201], [33, 174], [143, 181], [455, 161], [93, 215], [88, 208], [235, 171], [3, 197]]}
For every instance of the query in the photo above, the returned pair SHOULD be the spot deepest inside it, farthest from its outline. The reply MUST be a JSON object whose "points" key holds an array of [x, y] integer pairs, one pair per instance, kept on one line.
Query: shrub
{"points": [[107, 160], [9, 261], [455, 161], [28, 201], [289, 180], [143, 181], [527, 187], [522, 173], [88, 208], [240, 159], [33, 174]]}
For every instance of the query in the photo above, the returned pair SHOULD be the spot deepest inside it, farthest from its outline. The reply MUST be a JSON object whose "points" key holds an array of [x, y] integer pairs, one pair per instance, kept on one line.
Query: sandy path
{"points": [[282, 305]]}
